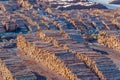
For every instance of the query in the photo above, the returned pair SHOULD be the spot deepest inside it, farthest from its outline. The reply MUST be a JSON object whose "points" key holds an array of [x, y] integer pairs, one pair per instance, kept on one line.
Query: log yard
{"points": [[59, 40]]}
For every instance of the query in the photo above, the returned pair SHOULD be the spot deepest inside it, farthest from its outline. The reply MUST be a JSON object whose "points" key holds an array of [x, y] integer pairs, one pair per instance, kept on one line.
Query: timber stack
{"points": [[110, 39]]}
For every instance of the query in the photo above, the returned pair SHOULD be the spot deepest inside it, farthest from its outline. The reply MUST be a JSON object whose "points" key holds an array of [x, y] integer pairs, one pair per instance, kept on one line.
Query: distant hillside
{"points": [[115, 2], [98, 6]]}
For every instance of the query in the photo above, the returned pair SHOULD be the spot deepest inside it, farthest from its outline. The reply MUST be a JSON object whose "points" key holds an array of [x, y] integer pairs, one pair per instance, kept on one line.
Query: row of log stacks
{"points": [[71, 20], [46, 19], [110, 39], [111, 18], [97, 62], [79, 24], [12, 67], [43, 56], [109, 15], [57, 24], [43, 20], [65, 15]]}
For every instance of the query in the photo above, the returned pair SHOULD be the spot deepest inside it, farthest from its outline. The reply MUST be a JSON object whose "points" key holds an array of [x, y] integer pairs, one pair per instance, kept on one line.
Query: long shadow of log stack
{"points": [[101, 65]]}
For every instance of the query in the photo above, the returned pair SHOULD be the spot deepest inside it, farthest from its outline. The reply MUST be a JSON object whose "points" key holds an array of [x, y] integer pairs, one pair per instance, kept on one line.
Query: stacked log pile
{"points": [[25, 4], [10, 26], [97, 62], [109, 25], [45, 22], [2, 29], [5, 72], [32, 47], [2, 7], [56, 23], [13, 68], [75, 21], [110, 39], [30, 21], [87, 27], [9, 6], [13, 23]]}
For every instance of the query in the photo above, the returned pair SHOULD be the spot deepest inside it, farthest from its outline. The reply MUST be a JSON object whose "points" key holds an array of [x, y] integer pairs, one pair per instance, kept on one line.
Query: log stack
{"points": [[110, 39], [25, 4], [2, 29], [29, 20], [2, 7], [5, 72], [10, 26]]}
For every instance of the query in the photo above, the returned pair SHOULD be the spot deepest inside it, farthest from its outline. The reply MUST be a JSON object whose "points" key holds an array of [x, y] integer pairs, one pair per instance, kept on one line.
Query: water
{"points": [[101, 1], [106, 3], [112, 6]]}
